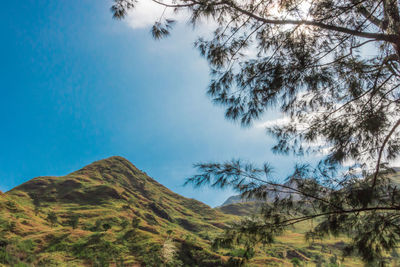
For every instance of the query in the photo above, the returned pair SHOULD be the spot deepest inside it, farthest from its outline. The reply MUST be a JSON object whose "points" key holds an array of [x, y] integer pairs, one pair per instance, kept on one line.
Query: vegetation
{"points": [[125, 229], [106, 213], [52, 218], [333, 69], [73, 221]]}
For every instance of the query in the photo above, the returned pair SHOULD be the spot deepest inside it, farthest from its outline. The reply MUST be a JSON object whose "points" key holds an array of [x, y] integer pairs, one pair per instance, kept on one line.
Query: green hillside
{"points": [[110, 213], [123, 215]]}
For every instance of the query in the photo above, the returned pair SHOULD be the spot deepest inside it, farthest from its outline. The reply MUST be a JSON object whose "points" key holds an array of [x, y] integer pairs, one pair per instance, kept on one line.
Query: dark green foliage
{"points": [[106, 226], [295, 262], [135, 222], [37, 204], [73, 221], [310, 63], [52, 218], [247, 253], [97, 249]]}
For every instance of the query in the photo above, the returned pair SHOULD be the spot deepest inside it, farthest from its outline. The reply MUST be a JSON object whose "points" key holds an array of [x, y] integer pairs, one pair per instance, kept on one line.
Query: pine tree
{"points": [[332, 67]]}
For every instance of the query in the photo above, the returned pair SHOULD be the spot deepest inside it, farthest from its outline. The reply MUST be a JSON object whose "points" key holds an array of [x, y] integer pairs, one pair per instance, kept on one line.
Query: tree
{"points": [[37, 204], [52, 218], [332, 68], [73, 221], [106, 227]]}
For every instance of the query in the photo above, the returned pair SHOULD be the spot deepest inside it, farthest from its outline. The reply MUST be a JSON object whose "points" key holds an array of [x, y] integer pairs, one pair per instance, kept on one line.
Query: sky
{"points": [[78, 86]]}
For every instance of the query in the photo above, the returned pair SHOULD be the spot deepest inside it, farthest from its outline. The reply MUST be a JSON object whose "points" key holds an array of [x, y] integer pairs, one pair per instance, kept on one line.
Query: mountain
{"points": [[236, 205], [235, 199], [107, 197], [270, 197], [110, 213], [240, 208]]}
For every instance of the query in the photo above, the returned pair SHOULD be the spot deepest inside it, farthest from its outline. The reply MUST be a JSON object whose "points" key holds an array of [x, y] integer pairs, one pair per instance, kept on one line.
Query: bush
{"points": [[106, 226], [295, 262], [98, 250], [52, 218], [73, 221]]}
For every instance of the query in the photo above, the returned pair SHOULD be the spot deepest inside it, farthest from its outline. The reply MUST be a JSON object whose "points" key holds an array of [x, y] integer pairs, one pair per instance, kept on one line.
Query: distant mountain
{"points": [[234, 199], [236, 205], [240, 208], [238, 198]]}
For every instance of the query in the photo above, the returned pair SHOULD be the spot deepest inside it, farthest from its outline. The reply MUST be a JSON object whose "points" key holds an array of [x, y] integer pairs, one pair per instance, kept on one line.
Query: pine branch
{"points": [[378, 164]]}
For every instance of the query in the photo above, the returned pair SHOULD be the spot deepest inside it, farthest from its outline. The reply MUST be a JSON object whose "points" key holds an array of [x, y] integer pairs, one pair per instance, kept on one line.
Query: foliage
{"points": [[37, 204], [52, 218], [242, 253], [97, 249], [295, 262], [73, 221], [17, 252], [106, 226], [308, 58], [135, 222]]}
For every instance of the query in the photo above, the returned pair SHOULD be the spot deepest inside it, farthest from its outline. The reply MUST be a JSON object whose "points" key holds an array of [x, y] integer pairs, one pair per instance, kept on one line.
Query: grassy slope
{"points": [[114, 192], [292, 244]]}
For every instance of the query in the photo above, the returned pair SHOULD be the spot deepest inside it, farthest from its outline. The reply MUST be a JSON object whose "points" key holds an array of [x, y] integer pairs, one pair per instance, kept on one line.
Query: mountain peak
{"points": [[107, 163], [107, 181]]}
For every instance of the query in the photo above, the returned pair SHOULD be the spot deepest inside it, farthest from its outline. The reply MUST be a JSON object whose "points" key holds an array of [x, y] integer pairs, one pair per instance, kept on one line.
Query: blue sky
{"points": [[77, 86]]}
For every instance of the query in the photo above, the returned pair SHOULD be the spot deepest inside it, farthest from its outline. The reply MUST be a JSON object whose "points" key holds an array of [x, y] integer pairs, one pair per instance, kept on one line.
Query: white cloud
{"points": [[276, 122], [146, 12], [320, 145]]}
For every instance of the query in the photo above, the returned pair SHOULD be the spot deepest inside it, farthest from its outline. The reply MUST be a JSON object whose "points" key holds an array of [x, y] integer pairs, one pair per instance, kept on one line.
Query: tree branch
{"points": [[369, 15], [377, 36], [378, 164]]}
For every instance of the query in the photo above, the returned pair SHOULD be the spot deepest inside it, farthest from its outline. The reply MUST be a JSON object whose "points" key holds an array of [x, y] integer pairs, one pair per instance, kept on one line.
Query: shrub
{"points": [[52, 218], [73, 221]]}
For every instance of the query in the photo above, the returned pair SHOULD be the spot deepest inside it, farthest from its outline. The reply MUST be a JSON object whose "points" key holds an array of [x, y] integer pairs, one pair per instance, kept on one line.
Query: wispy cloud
{"points": [[320, 145], [146, 12]]}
